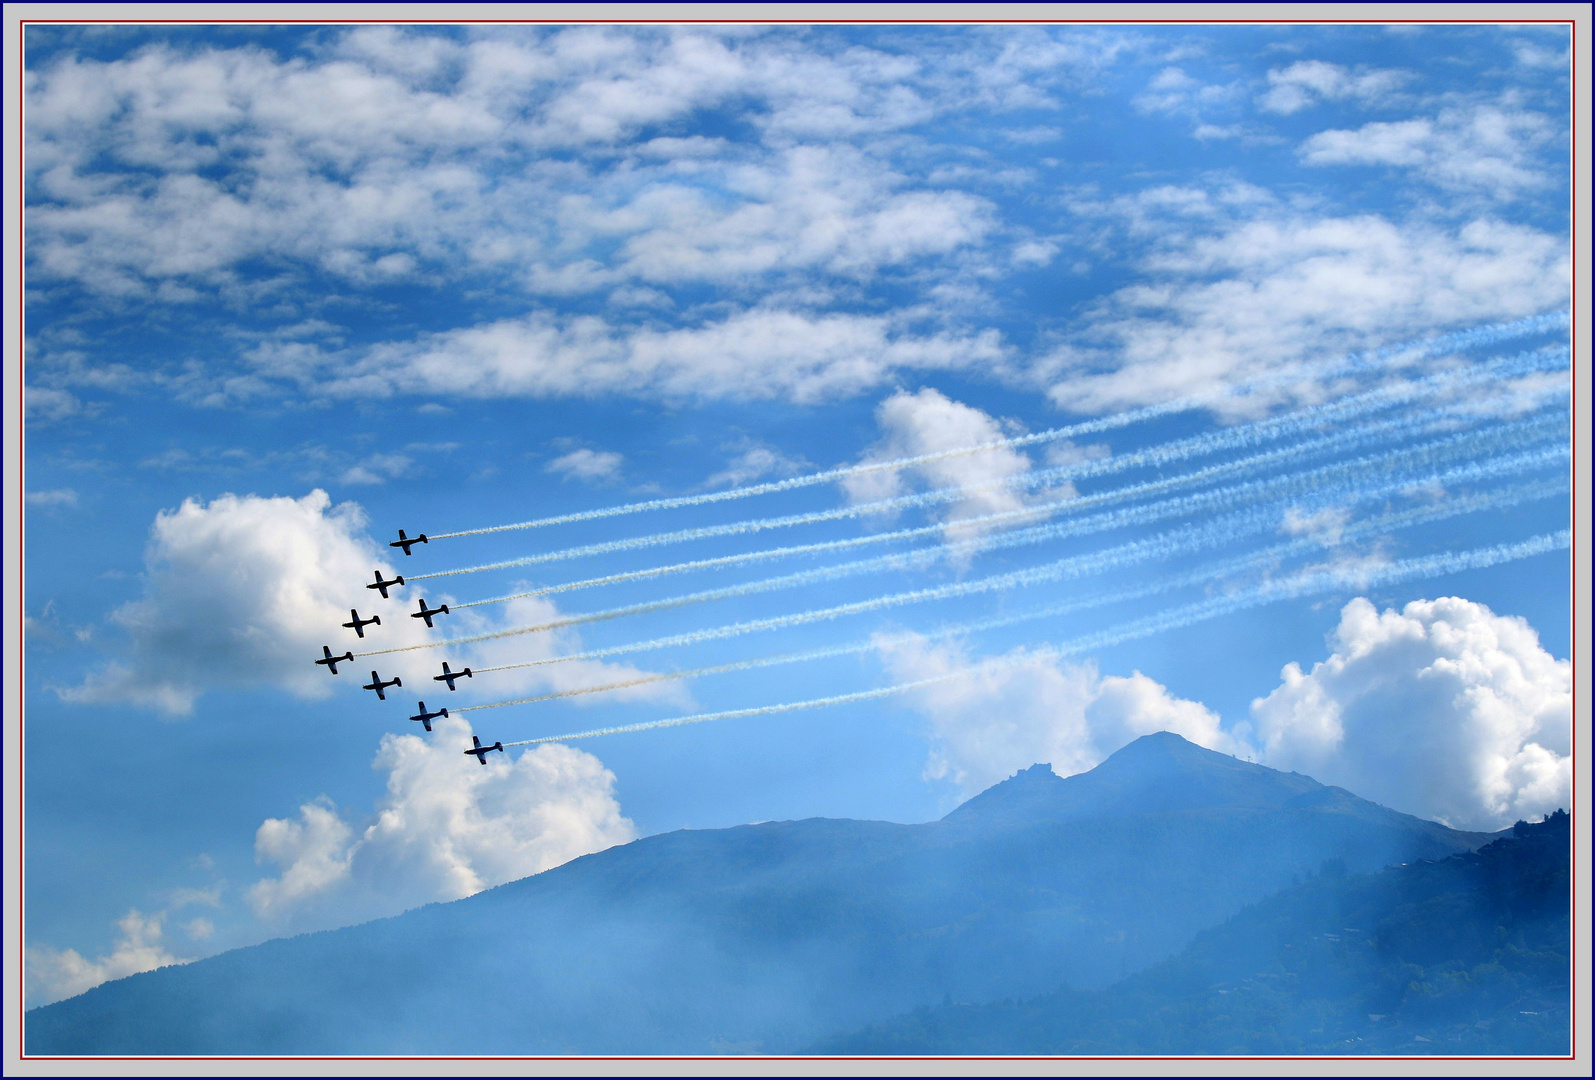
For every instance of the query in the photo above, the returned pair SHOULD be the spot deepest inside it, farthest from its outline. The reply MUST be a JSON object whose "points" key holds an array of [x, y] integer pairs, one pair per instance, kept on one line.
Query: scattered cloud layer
{"points": [[1230, 296], [1308, 82], [688, 213], [751, 355], [1485, 148], [510, 152]]}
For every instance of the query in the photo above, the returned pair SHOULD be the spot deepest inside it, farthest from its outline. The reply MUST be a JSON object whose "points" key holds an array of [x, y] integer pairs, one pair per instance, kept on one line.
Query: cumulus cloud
{"points": [[54, 974], [991, 719], [1222, 304], [241, 592], [1307, 82], [751, 355], [445, 828], [586, 464], [244, 591], [928, 422], [1486, 149], [1443, 709]]}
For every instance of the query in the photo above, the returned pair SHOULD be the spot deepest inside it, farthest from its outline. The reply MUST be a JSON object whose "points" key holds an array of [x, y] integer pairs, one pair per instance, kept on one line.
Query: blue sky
{"points": [[290, 290]]}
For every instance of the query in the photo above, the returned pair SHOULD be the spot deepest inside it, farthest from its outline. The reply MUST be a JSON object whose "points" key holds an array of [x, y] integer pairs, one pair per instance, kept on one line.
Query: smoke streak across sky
{"points": [[1174, 544], [1214, 442], [1428, 566]]}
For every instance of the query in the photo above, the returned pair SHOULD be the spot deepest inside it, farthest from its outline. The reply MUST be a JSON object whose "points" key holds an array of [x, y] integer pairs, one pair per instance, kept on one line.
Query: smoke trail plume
{"points": [[1212, 572], [1190, 538], [1237, 438], [1463, 339], [1302, 584], [1340, 440]]}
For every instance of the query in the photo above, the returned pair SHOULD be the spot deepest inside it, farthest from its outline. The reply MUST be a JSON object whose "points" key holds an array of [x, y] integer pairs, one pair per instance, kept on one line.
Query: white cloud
{"points": [[754, 462], [1174, 92], [377, 469], [446, 828], [403, 154], [1485, 148], [1307, 82], [46, 404], [990, 720], [1260, 296], [1531, 55], [928, 422], [1325, 524], [752, 355], [54, 974], [53, 497], [1443, 709], [243, 592], [586, 464]]}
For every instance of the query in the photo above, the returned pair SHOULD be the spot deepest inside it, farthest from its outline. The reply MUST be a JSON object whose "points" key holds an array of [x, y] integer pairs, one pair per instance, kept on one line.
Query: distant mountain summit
{"points": [[764, 938], [1154, 774], [1163, 773]]}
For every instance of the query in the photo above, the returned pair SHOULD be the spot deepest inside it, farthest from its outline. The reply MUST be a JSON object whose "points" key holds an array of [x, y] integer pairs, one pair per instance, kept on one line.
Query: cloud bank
{"points": [[446, 828], [1443, 710]]}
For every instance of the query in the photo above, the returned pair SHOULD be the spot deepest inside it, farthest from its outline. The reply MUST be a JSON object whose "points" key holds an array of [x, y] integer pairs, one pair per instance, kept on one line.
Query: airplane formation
{"points": [[425, 614]]}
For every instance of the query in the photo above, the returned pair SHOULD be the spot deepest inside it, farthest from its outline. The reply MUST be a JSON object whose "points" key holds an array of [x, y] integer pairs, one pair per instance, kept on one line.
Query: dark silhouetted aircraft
{"points": [[449, 676], [481, 751], [406, 543], [383, 586], [426, 718], [377, 684], [359, 624], [427, 613], [331, 661]]}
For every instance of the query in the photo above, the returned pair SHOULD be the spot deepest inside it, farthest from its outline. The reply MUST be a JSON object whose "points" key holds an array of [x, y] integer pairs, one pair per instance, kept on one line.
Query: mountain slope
{"points": [[1466, 955], [766, 937]]}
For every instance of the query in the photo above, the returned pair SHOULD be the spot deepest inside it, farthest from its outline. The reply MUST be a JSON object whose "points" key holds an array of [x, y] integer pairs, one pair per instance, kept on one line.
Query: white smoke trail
{"points": [[1236, 438], [1463, 339], [1303, 584], [1212, 572], [1341, 440], [1166, 545]]}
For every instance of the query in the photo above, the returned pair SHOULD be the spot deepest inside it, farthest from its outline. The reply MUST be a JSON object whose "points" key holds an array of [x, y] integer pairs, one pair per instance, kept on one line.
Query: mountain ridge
{"points": [[778, 932]]}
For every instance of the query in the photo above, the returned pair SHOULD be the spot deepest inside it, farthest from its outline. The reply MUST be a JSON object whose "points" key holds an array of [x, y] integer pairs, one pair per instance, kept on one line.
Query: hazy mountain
{"points": [[1466, 955], [767, 937]]}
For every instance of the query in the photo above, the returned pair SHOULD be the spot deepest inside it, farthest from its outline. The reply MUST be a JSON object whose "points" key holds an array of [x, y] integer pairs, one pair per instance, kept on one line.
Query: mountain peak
{"points": [[1159, 772]]}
